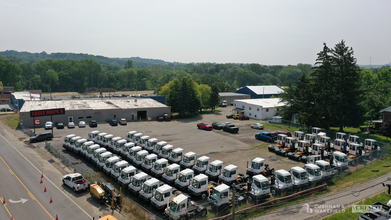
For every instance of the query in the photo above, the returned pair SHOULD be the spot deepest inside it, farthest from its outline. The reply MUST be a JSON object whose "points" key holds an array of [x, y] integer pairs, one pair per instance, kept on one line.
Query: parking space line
{"points": [[5, 206]]}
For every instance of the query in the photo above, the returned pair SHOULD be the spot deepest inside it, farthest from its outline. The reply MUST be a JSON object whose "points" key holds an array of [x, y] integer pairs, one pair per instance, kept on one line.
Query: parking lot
{"points": [[230, 148]]}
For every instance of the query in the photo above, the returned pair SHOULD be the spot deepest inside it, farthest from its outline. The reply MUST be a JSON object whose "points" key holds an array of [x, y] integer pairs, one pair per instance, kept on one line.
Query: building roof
{"points": [[224, 94], [267, 90], [388, 109], [264, 103], [26, 96], [92, 104]]}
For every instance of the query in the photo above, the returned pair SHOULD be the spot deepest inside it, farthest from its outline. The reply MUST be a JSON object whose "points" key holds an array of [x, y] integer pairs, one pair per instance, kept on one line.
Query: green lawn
{"points": [[382, 197], [11, 120]]}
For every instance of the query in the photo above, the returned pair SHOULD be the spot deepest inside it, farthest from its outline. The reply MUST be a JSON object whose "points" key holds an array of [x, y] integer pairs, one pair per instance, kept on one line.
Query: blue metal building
{"points": [[260, 92]]}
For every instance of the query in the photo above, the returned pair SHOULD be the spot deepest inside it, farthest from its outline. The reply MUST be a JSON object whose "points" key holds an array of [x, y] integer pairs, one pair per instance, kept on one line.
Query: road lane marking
{"points": [[28, 191], [5, 206], [45, 177]]}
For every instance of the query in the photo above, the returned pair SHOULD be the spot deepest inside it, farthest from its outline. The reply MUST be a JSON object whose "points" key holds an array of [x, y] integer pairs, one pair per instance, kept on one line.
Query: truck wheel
{"points": [[198, 127], [274, 192], [63, 182], [74, 189], [250, 198], [204, 213], [203, 195]]}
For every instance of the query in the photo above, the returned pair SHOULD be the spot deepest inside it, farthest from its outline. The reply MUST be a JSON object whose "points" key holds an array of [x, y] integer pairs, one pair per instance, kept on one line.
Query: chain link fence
{"points": [[27, 131]]}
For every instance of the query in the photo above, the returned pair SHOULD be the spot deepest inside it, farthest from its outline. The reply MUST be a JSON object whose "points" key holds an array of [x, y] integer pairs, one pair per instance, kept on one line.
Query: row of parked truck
{"points": [[161, 174], [309, 147]]}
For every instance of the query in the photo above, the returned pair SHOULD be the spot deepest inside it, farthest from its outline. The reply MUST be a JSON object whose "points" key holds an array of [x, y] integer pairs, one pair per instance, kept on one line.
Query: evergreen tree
{"points": [[214, 99]]}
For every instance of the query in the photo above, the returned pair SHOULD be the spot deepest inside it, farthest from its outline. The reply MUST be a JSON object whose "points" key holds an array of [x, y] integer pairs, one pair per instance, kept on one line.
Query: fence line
{"points": [[27, 131]]}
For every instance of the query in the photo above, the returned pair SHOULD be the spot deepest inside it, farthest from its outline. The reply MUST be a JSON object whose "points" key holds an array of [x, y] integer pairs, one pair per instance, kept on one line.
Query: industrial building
{"points": [[99, 110], [19, 98], [261, 92], [257, 108], [231, 96]]}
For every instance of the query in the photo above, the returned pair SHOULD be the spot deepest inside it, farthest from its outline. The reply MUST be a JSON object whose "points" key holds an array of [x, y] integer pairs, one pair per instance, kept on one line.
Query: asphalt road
{"points": [[21, 176]]}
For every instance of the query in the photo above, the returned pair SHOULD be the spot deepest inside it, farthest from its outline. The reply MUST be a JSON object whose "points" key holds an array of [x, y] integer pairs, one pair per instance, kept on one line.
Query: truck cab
{"points": [[299, 177], [136, 138], [185, 179], [201, 165], [118, 167], [281, 140], [200, 186], [151, 144], [319, 149], [97, 152], [112, 144], [126, 174], [221, 195], [314, 174], [290, 146], [282, 181], [340, 145], [162, 196], [67, 140], [258, 166], [126, 149], [92, 135], [341, 135], [109, 164], [159, 167], [259, 189], [159, 147], [339, 159], [139, 158], [188, 160], [230, 174], [299, 135], [129, 135], [99, 138], [137, 181], [148, 162], [149, 188], [316, 130], [132, 153], [215, 169], [182, 208], [325, 169], [356, 150], [171, 174], [119, 145], [176, 155], [371, 145], [72, 142], [85, 146], [100, 162], [105, 142], [90, 151], [303, 149], [326, 141], [166, 151], [310, 138], [143, 141], [354, 139]]}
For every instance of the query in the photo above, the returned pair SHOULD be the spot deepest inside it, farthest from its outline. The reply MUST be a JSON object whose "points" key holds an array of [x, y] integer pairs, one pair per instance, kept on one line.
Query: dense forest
{"points": [[63, 72]]}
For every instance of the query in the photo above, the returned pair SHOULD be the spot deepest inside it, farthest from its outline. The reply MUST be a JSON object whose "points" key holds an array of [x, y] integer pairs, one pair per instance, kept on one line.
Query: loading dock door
{"points": [[142, 114]]}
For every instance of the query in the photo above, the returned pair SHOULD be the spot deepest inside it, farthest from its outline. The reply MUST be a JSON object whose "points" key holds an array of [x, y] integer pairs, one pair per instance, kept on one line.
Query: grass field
{"points": [[12, 120], [348, 214]]}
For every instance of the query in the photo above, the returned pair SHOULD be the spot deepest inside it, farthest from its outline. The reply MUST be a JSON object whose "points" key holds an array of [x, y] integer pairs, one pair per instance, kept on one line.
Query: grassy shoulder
{"points": [[348, 214], [12, 120]]}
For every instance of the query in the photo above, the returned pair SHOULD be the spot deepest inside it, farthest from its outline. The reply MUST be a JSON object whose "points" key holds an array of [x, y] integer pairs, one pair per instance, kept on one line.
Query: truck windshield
{"points": [[186, 159], [136, 182], [159, 196], [116, 169], [168, 172], [227, 173], [182, 178], [216, 194], [317, 172], [138, 157], [148, 162], [327, 168], [173, 206], [124, 176], [303, 176], [174, 155], [265, 185], [158, 147], [255, 165], [109, 165], [199, 164], [165, 151], [102, 159], [196, 184], [129, 136], [157, 166], [147, 189], [213, 168], [149, 144], [288, 179]]}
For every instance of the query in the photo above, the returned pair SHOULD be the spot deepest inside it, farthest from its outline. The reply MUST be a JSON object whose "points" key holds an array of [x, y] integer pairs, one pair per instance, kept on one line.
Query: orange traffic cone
{"points": [[56, 217], [51, 200], [41, 175], [44, 189], [3, 200], [41, 180]]}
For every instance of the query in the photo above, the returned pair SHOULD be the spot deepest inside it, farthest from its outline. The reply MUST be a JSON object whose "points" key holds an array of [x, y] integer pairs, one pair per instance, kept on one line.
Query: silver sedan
{"points": [[257, 126]]}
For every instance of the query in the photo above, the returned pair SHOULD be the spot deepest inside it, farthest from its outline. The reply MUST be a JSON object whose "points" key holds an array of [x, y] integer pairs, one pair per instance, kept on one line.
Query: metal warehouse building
{"points": [[261, 92], [257, 108], [231, 96], [99, 110]]}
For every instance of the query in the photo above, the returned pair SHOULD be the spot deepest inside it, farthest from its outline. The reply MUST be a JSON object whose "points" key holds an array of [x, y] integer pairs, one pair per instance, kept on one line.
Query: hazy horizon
{"points": [[269, 33]]}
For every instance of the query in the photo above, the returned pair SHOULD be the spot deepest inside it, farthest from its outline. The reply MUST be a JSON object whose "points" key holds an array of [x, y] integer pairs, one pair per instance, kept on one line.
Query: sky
{"points": [[272, 32]]}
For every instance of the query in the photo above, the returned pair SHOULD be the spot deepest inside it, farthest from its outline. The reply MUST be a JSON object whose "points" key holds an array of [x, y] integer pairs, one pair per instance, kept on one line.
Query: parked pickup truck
{"points": [[205, 126], [377, 211], [231, 129], [266, 136], [76, 182], [243, 117]]}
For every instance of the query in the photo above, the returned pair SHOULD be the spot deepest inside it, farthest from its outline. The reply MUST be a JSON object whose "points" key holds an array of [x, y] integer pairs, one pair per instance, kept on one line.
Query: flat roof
{"points": [[265, 103], [26, 96], [92, 104], [259, 90]]}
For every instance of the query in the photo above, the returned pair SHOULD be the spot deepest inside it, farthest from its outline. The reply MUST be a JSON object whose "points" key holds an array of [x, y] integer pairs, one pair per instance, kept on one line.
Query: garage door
{"points": [[142, 114]]}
